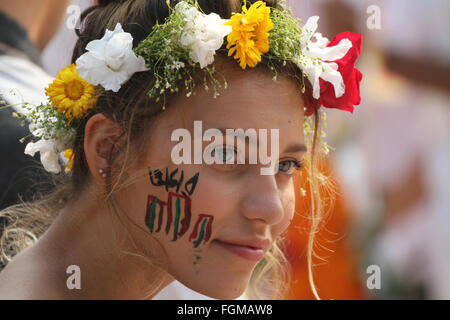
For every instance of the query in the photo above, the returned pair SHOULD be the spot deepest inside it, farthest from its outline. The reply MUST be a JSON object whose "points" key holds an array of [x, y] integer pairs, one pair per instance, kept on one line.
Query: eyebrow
{"points": [[293, 148]]}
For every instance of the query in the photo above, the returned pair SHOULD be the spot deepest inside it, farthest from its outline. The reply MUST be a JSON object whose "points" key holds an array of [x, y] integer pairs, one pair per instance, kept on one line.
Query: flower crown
{"points": [[186, 42]]}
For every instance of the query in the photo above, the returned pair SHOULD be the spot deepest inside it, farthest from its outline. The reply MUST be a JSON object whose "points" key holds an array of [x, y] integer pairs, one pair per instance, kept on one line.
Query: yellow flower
{"points": [[71, 94], [69, 155], [249, 38]]}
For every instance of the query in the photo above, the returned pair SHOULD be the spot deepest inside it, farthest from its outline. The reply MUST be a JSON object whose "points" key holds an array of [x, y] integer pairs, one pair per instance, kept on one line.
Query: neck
{"points": [[111, 266]]}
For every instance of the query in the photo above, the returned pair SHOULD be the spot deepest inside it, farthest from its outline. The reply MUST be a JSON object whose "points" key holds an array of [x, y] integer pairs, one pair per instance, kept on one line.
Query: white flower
{"points": [[317, 53], [202, 34], [177, 65], [49, 150], [111, 60], [182, 6], [189, 11]]}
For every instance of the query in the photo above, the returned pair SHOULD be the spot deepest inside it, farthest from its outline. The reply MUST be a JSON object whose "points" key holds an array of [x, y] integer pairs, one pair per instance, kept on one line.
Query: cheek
{"points": [[288, 202], [133, 199], [215, 197], [184, 219], [176, 207]]}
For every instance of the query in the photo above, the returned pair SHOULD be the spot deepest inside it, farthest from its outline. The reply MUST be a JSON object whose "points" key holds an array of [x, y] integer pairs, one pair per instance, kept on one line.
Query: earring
{"points": [[102, 172]]}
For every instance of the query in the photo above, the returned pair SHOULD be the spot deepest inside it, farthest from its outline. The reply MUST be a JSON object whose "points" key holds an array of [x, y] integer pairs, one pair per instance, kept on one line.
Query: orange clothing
{"points": [[335, 278]]}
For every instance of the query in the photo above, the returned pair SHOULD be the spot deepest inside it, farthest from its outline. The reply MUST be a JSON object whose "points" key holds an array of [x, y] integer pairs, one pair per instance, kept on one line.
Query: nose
{"points": [[262, 200]]}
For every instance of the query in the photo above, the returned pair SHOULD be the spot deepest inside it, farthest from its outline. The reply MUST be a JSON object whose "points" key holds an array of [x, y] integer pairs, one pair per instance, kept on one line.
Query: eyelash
{"points": [[299, 165], [225, 147]]}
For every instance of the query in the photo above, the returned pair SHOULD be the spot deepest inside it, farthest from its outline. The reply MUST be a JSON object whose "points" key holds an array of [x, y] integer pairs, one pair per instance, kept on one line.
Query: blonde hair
{"points": [[271, 279], [130, 108]]}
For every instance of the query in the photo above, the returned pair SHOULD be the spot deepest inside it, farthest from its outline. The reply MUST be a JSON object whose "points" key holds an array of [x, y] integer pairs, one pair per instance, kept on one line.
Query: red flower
{"points": [[351, 76]]}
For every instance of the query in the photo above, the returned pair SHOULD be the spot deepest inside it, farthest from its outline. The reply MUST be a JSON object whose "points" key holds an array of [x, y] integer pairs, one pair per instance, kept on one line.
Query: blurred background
{"points": [[392, 158], [388, 235]]}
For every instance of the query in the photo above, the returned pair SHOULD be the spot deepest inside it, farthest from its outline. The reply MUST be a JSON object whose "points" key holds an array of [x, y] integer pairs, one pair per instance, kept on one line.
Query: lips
{"points": [[252, 249]]}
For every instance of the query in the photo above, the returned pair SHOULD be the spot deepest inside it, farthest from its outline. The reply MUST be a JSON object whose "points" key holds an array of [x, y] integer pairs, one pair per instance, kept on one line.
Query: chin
{"points": [[218, 290], [229, 294]]}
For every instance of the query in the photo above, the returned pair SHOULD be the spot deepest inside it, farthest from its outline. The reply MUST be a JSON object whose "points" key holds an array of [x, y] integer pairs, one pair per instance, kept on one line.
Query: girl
{"points": [[150, 196]]}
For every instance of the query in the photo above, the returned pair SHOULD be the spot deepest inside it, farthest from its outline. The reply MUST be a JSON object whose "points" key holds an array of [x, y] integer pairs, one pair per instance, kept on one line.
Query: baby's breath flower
{"points": [[303, 192]]}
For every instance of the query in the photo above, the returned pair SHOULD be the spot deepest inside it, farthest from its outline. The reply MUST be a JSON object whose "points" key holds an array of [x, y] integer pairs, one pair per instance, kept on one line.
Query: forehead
{"points": [[252, 100]]}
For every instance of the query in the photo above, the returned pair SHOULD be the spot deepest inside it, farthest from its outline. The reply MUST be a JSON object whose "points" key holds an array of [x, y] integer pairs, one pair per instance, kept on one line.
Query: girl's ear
{"points": [[101, 137]]}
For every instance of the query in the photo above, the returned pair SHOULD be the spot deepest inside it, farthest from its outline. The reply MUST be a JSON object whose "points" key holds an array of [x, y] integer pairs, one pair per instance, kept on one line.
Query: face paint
{"points": [[177, 208], [196, 260], [205, 229], [153, 204], [181, 201], [157, 179]]}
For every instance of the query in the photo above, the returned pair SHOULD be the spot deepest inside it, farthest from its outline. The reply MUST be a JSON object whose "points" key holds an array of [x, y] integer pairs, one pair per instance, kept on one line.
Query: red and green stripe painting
{"points": [[179, 207], [205, 229]]}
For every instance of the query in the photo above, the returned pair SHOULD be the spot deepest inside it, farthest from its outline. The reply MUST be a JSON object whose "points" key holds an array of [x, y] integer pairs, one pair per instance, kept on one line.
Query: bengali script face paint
{"points": [[175, 211]]}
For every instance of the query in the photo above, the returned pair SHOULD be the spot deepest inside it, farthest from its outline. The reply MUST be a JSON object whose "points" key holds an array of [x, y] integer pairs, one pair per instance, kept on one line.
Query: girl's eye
{"points": [[288, 166], [224, 154]]}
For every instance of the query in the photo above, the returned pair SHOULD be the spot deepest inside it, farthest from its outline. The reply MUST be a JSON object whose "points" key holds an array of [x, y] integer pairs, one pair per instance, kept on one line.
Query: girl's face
{"points": [[215, 221]]}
